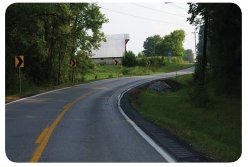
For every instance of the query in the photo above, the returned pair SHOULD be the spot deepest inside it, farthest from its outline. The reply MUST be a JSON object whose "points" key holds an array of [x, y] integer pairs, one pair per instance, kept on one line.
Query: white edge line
{"points": [[37, 95], [50, 92], [159, 149], [53, 91]]}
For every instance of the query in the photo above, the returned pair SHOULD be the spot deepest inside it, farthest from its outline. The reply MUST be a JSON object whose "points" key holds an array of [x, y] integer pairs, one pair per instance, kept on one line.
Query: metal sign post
{"points": [[73, 64], [19, 63], [20, 80]]}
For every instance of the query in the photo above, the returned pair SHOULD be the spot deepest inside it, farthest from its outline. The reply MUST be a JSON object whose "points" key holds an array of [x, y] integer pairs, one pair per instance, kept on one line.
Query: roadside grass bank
{"points": [[214, 131], [111, 71], [29, 89], [100, 72]]}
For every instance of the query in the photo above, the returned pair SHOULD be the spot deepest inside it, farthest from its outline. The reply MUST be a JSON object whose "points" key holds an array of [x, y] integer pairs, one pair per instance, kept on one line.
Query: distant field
{"points": [[215, 131]]}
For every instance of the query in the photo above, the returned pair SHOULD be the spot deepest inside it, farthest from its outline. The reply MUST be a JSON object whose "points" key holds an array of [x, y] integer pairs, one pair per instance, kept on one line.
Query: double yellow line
{"points": [[45, 135]]}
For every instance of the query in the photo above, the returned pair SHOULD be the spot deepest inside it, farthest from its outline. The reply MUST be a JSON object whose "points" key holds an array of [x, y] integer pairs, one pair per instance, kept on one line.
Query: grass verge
{"points": [[215, 131], [111, 71], [101, 72]]}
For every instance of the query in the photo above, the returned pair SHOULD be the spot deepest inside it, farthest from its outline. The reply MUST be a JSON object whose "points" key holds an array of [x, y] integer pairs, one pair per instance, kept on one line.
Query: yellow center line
{"points": [[47, 132], [100, 88], [41, 136]]}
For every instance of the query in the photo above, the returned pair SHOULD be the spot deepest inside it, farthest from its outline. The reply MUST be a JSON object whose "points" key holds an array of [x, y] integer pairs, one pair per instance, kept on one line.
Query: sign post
{"points": [[19, 63], [73, 64], [20, 81]]}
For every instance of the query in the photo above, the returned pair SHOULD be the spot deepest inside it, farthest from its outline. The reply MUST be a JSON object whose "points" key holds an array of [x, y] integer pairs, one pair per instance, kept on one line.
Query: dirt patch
{"points": [[164, 86], [158, 86]]}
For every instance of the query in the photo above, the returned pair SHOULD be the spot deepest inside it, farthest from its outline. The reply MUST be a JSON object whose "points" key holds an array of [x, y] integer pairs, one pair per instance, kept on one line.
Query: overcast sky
{"points": [[141, 20]]}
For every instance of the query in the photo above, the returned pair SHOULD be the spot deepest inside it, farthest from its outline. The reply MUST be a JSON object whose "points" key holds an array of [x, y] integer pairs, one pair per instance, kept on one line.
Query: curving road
{"points": [[82, 123]]}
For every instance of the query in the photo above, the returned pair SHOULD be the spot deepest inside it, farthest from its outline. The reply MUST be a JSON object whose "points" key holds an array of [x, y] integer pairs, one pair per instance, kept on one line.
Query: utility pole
{"points": [[154, 48], [195, 40]]}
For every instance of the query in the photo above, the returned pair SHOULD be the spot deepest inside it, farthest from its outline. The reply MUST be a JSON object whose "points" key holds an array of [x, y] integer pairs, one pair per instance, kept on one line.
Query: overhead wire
{"points": [[179, 7], [157, 10], [140, 17]]}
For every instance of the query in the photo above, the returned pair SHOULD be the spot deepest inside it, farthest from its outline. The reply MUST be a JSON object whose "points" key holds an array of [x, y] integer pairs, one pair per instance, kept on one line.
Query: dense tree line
{"points": [[130, 60], [157, 45], [49, 36], [219, 47], [188, 55]]}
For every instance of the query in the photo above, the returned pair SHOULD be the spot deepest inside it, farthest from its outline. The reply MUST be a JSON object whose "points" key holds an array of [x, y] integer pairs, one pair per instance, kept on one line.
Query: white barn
{"points": [[111, 51]]}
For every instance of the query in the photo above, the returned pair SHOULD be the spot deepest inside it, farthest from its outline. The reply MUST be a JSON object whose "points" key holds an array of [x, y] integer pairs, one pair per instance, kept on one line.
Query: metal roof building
{"points": [[113, 49]]}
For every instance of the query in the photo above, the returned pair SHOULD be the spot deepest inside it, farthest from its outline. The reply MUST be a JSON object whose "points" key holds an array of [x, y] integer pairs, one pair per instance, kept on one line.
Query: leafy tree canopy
{"points": [[223, 42], [157, 45], [49, 35]]}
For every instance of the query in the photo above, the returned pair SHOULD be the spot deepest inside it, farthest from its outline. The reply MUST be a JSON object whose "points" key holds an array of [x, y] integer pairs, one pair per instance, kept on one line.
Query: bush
{"points": [[129, 59], [159, 60], [177, 60], [111, 75], [142, 61], [125, 71]]}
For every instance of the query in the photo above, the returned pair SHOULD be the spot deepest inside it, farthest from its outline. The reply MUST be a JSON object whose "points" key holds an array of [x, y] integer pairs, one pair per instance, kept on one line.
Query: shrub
{"points": [[111, 75], [129, 59], [156, 61], [177, 60], [142, 61], [125, 71]]}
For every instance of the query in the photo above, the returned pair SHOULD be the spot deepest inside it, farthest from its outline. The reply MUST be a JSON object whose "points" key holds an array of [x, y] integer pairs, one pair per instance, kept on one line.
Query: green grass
{"points": [[100, 72], [110, 71], [215, 131], [29, 89]]}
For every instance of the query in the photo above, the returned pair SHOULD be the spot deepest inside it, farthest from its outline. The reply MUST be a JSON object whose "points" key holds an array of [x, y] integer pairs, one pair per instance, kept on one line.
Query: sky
{"points": [[141, 20]]}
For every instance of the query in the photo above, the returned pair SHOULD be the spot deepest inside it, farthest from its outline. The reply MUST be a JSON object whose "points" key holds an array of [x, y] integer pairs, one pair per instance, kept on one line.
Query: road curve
{"points": [[82, 123]]}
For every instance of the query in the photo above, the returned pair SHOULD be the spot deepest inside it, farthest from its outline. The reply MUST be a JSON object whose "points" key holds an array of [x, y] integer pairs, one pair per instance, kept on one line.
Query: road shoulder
{"points": [[178, 148]]}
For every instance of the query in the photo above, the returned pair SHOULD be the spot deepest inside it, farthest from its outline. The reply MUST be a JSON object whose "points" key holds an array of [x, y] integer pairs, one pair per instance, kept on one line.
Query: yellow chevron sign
{"points": [[19, 61], [73, 62]]}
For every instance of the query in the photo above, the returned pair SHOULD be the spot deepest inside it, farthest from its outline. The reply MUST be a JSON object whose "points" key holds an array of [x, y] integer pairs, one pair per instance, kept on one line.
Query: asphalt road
{"points": [[82, 123]]}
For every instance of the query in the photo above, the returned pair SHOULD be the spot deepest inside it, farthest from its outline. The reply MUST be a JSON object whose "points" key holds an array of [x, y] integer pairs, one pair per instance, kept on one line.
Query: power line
{"points": [[195, 39], [179, 7], [139, 17], [161, 11]]}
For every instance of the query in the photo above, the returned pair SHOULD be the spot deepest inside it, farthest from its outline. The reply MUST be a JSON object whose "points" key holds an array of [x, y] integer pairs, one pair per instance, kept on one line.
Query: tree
{"points": [[140, 54], [175, 41], [156, 45], [85, 29], [49, 35], [188, 55], [151, 45], [223, 36]]}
